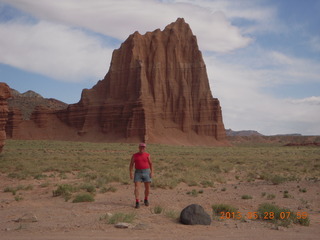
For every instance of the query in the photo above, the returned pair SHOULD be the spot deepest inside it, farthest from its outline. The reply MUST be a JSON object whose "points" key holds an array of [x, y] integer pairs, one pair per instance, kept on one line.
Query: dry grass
{"points": [[98, 164]]}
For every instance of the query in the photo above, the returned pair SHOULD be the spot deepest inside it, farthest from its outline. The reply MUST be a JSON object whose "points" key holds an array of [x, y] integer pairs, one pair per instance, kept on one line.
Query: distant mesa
{"points": [[242, 133], [156, 90]]}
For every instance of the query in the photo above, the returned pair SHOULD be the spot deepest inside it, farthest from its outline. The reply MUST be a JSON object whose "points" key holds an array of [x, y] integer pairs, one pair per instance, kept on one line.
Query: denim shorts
{"points": [[142, 175]]}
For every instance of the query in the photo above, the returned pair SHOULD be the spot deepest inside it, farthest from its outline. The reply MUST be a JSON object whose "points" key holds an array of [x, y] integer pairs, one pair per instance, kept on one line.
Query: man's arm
{"points": [[151, 167], [131, 167]]}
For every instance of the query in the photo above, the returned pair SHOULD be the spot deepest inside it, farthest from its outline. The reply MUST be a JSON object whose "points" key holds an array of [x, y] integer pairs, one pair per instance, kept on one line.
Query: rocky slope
{"points": [[28, 101]]}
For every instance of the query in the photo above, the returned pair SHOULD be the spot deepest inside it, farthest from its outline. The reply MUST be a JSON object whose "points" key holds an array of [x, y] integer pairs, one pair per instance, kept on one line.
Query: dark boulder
{"points": [[194, 214]]}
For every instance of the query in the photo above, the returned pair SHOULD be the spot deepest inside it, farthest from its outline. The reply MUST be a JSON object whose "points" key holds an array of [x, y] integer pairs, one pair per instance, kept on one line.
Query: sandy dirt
{"points": [[58, 219]]}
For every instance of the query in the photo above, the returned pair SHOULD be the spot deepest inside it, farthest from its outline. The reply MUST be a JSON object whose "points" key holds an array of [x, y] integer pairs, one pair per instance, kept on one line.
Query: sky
{"points": [[262, 56]]}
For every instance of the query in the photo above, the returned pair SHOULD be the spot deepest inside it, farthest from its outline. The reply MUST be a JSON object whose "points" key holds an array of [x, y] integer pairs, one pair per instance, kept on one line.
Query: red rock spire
{"points": [[156, 90]]}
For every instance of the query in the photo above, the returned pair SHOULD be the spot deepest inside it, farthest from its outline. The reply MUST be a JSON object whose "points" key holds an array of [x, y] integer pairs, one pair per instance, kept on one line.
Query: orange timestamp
{"points": [[265, 215]]}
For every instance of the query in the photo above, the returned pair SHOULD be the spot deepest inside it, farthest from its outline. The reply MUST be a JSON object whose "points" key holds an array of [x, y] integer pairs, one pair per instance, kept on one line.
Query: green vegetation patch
{"points": [[223, 208], [118, 217], [246, 196], [158, 209], [14, 190], [64, 190], [282, 216], [83, 197]]}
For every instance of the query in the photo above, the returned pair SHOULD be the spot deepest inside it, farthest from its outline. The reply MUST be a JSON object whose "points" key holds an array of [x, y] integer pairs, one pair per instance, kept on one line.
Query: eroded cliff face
{"points": [[156, 91], [4, 95]]}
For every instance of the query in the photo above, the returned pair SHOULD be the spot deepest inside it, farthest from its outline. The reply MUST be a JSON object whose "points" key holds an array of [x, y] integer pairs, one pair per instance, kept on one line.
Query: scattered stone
{"points": [[122, 225], [194, 214], [280, 228], [28, 217], [141, 226]]}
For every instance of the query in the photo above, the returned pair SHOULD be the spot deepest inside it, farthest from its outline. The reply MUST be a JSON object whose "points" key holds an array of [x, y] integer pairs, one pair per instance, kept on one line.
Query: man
{"points": [[143, 173]]}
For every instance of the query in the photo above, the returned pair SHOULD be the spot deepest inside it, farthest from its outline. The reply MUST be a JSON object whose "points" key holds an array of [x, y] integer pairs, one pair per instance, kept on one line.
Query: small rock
{"points": [[279, 228], [141, 226], [28, 217], [122, 225]]}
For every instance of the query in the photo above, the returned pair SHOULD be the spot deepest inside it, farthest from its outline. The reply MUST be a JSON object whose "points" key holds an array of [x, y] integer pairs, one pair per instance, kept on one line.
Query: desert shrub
{"points": [[271, 196], [88, 187], [18, 175], [287, 195], [219, 208], [304, 190], [14, 190], [118, 217], [246, 197], [64, 190], [109, 189], [40, 176], [172, 214], [277, 179], [83, 197], [157, 209], [206, 183], [45, 184], [10, 189], [18, 198], [193, 193], [281, 216]]}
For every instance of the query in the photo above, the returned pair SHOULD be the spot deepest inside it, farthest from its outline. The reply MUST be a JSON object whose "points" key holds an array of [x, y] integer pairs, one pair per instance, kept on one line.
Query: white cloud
{"points": [[245, 104], [121, 18], [314, 100], [293, 69], [53, 50], [259, 17]]}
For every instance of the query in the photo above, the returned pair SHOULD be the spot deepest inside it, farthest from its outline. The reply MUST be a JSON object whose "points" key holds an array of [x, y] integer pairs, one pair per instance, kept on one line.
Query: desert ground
{"points": [[28, 209]]}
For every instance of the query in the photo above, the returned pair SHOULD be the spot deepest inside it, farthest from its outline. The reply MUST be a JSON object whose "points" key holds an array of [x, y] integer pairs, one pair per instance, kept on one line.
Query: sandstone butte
{"points": [[156, 91], [4, 94]]}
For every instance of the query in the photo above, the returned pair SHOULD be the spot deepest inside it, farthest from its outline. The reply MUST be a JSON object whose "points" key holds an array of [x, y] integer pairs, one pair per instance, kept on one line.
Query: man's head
{"points": [[142, 147]]}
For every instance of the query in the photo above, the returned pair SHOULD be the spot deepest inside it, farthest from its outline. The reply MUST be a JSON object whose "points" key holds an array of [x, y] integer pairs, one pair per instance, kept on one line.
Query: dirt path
{"points": [[57, 219]]}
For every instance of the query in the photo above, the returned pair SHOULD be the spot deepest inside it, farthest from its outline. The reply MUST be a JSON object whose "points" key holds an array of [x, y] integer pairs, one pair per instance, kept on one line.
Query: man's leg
{"points": [[146, 193], [137, 193]]}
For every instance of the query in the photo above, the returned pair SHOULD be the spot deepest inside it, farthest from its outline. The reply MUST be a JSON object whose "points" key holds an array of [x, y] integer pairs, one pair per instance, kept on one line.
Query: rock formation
{"points": [[28, 101], [4, 95], [156, 90], [13, 124]]}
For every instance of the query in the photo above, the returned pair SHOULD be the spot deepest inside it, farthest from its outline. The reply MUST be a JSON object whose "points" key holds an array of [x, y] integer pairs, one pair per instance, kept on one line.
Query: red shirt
{"points": [[141, 160]]}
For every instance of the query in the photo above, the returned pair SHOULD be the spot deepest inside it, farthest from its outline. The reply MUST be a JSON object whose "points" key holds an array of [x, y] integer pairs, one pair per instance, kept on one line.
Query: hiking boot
{"points": [[137, 205], [146, 202]]}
